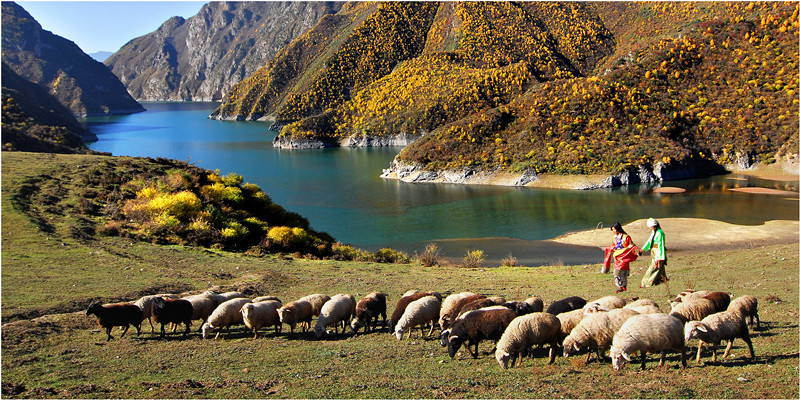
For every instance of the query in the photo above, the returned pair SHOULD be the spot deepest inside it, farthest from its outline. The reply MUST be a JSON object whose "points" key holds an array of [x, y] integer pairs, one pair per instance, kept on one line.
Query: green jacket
{"points": [[656, 242]]}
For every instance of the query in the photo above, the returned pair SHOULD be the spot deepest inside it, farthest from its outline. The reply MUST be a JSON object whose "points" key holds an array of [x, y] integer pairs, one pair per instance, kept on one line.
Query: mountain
{"points": [[640, 91], [101, 55], [202, 57], [34, 120], [83, 85]]}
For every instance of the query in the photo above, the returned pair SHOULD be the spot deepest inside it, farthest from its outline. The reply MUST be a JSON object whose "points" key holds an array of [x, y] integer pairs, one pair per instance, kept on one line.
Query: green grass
{"points": [[57, 354]]}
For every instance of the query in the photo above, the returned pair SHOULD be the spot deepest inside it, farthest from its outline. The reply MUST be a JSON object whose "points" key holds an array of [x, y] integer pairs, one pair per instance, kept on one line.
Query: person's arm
{"points": [[647, 245]]}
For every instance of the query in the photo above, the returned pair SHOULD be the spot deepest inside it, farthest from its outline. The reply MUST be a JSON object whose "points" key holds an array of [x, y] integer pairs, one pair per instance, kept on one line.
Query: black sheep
{"points": [[173, 311], [367, 310], [521, 307], [564, 305], [118, 314], [474, 326]]}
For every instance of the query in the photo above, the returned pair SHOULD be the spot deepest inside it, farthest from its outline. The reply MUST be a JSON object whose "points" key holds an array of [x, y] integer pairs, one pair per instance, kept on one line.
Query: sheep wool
{"points": [[641, 302], [418, 313], [261, 314], [567, 304], [226, 314], [610, 302], [537, 304], [524, 332], [726, 325], [596, 331], [748, 306], [202, 306], [647, 333], [317, 300], [693, 310], [450, 302], [401, 305], [477, 325], [336, 311], [368, 310], [569, 320], [298, 311]]}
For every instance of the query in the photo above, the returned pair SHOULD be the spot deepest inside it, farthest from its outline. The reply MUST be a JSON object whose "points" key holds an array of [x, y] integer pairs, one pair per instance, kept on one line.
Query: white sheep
{"points": [[596, 331], [336, 311], [446, 313], [569, 320], [146, 304], [261, 314], [645, 309], [641, 302], [748, 306], [267, 298], [610, 302], [647, 333], [418, 313], [298, 311], [525, 331], [220, 298], [226, 314], [693, 310], [317, 300], [202, 306], [690, 294], [726, 325]]}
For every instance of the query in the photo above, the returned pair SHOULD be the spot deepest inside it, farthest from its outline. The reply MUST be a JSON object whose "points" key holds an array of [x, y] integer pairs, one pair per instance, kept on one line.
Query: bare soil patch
{"points": [[669, 189], [760, 190]]}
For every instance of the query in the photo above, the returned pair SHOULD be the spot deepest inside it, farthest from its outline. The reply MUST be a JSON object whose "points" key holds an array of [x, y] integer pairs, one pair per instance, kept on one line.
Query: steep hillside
{"points": [[33, 120], [83, 85], [202, 57], [541, 86]]}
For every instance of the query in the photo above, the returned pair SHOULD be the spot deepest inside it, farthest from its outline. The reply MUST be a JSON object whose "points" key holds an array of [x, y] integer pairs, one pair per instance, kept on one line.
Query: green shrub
{"points": [[346, 252], [219, 192], [431, 256], [474, 258], [388, 255]]}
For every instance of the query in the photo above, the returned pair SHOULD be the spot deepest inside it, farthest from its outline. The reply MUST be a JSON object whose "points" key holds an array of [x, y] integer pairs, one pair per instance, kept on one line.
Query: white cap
{"points": [[651, 222]]}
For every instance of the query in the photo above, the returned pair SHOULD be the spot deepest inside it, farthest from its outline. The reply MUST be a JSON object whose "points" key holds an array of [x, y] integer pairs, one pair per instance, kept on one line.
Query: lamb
{"points": [[564, 305], [226, 314], [418, 313], [474, 326], [647, 333], [317, 300], [401, 305], [524, 332], [116, 314], [146, 304], [596, 331], [261, 314], [298, 311], [172, 311], [368, 309], [609, 302], [447, 314], [693, 310], [569, 320], [727, 325], [202, 306], [336, 311], [748, 306]]}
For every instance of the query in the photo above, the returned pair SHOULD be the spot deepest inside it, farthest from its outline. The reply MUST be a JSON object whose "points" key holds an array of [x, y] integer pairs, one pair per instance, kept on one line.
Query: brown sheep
{"points": [[474, 326], [367, 310]]}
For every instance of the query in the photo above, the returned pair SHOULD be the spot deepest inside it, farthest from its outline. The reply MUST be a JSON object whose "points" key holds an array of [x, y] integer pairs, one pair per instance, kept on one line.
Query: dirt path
{"points": [[695, 234]]}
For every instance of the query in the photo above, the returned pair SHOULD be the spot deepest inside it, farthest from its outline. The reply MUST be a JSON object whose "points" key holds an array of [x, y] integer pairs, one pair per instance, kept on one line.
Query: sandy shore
{"points": [[695, 234]]}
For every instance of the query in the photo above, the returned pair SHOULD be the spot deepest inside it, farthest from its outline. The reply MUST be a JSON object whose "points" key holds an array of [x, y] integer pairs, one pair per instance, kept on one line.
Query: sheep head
{"points": [[398, 334], [692, 329], [445, 337], [207, 329], [502, 358], [618, 357], [453, 345]]}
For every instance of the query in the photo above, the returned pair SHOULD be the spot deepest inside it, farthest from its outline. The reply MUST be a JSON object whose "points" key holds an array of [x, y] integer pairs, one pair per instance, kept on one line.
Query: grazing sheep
{"points": [[146, 304], [536, 303], [569, 320], [336, 311], [117, 314], [521, 307], [474, 326], [267, 298], [368, 310], [447, 314], [478, 304], [317, 300], [172, 311], [748, 306], [564, 305], [727, 325], [418, 313], [202, 306], [609, 302], [261, 314], [721, 300], [524, 332], [401, 305], [596, 331], [298, 311], [647, 333], [690, 294], [226, 314], [693, 310]]}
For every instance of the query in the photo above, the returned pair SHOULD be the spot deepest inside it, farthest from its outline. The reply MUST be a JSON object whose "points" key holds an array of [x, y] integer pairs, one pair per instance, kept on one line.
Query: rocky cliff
{"points": [[83, 85], [201, 58]]}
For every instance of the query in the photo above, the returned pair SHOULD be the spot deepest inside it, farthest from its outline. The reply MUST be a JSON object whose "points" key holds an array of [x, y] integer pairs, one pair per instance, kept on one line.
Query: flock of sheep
{"points": [[606, 324]]}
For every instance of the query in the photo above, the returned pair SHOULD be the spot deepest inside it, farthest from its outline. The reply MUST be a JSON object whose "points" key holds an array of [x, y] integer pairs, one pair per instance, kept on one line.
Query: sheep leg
{"points": [[553, 354], [728, 349], [152, 329], [188, 322], [758, 321], [683, 357], [125, 331], [746, 338], [255, 331], [644, 359], [699, 347], [516, 359], [432, 327], [108, 332], [138, 328], [663, 357], [475, 354], [162, 331]]}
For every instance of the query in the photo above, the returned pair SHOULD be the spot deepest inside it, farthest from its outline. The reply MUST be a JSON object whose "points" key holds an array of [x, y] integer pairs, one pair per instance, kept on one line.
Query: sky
{"points": [[106, 25]]}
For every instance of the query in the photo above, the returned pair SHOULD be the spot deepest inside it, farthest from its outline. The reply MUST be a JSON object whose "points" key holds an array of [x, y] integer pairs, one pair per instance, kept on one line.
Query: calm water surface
{"points": [[340, 191]]}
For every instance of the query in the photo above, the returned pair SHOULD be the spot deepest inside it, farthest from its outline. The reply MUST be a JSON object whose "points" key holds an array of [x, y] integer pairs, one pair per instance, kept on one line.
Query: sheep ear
{"points": [[626, 356]]}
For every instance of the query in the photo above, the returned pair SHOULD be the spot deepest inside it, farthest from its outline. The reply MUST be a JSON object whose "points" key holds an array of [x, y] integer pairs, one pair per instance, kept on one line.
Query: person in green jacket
{"points": [[657, 273]]}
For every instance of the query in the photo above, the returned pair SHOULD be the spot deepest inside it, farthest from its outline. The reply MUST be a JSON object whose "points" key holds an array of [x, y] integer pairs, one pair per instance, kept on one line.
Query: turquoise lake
{"points": [[340, 191]]}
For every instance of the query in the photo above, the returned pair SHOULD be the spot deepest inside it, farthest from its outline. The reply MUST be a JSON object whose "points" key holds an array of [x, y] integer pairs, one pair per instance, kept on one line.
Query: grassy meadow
{"points": [[51, 349]]}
